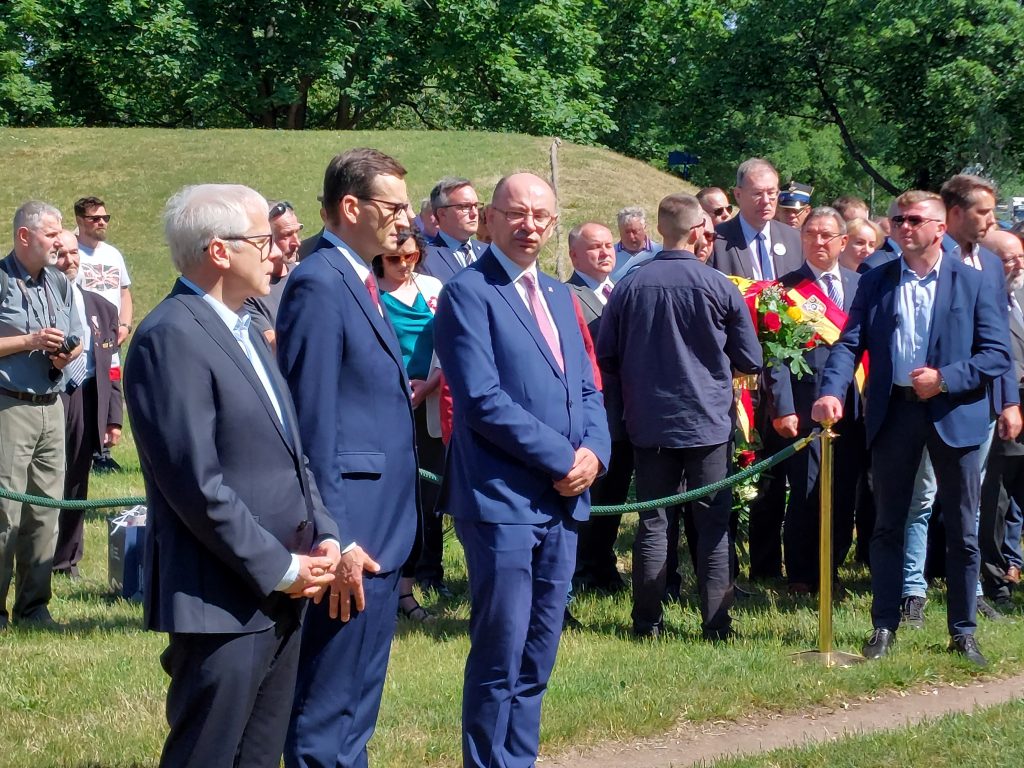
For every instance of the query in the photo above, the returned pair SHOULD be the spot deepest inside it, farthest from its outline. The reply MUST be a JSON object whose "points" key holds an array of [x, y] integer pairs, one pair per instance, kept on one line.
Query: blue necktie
{"points": [[832, 289], [767, 271]]}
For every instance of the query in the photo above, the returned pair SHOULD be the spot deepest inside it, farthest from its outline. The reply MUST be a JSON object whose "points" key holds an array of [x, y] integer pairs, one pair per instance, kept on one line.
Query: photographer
{"points": [[39, 337]]}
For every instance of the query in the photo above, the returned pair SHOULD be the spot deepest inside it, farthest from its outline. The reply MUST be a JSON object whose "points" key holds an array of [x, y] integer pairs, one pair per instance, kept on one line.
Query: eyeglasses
{"points": [[913, 221], [721, 210], [711, 236], [94, 218], [280, 209], [464, 208], [399, 258], [259, 242], [541, 219], [825, 237], [390, 208]]}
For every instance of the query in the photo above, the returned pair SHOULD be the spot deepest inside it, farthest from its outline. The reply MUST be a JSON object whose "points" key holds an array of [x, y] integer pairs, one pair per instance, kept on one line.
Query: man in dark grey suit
{"points": [[755, 246], [457, 211], [752, 244], [592, 252], [1002, 488], [237, 529]]}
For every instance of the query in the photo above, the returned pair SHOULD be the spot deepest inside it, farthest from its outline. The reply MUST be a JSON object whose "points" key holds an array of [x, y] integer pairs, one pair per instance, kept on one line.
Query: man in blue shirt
{"points": [[635, 246]]}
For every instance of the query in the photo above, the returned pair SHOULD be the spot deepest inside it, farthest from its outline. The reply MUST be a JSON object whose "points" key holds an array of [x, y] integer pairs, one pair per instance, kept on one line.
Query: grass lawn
{"points": [[990, 737], [95, 697]]}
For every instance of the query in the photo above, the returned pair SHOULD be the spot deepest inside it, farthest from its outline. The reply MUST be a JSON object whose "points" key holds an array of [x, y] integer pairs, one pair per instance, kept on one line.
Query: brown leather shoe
{"points": [[1013, 574]]}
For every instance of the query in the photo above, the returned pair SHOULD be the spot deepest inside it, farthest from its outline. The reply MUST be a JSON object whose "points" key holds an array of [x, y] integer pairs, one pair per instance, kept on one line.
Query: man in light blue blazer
{"points": [[936, 339], [529, 437]]}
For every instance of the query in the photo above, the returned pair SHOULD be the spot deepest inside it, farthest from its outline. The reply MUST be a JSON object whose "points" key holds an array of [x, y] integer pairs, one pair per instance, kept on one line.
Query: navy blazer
{"points": [[673, 332], [732, 255], [517, 418], [967, 344], [228, 490], [440, 261], [796, 395], [344, 367]]}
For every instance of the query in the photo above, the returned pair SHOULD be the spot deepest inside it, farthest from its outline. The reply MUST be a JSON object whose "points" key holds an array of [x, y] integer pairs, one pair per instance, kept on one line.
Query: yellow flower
{"points": [[795, 313]]}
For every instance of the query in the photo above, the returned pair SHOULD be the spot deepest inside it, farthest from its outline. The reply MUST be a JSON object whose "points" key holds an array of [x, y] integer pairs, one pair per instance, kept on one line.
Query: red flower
{"points": [[745, 458], [812, 342], [772, 321]]}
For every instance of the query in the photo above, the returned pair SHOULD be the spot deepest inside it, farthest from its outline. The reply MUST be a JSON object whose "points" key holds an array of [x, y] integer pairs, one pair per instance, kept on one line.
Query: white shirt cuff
{"points": [[289, 576]]}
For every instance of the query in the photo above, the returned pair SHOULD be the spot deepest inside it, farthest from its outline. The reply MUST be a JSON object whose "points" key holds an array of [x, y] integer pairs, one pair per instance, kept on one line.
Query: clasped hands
{"points": [[584, 471], [327, 567]]}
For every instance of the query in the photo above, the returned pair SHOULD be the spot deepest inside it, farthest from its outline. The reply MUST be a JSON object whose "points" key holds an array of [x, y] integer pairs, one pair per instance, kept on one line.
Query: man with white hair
{"points": [[39, 331], [635, 246], [237, 531]]}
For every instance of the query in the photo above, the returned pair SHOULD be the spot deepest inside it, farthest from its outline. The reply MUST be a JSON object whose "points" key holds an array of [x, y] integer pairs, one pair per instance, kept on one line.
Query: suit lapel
{"points": [[209, 321], [739, 245], [510, 293], [1016, 328], [849, 288], [943, 301]]}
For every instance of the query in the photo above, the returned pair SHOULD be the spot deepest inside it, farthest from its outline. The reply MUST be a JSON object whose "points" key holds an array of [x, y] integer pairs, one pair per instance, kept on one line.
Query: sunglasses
{"points": [[280, 209], [912, 221], [722, 210], [398, 258], [96, 218]]}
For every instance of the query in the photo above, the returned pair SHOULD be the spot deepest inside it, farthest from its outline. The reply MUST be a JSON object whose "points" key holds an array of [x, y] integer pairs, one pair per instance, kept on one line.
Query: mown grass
{"points": [[988, 737], [95, 696]]}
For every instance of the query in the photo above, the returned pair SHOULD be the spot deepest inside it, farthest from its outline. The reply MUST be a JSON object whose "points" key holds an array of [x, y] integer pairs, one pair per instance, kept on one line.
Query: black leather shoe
{"points": [[436, 585], [570, 622], [41, 620], [650, 633], [988, 610], [967, 646], [878, 644], [719, 635]]}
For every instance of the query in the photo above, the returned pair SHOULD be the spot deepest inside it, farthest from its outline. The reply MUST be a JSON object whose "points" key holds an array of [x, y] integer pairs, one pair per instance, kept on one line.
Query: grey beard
{"points": [[1015, 281]]}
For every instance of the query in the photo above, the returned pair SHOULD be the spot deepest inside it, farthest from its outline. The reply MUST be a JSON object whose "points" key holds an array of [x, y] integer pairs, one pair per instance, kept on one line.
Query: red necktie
{"points": [[371, 286]]}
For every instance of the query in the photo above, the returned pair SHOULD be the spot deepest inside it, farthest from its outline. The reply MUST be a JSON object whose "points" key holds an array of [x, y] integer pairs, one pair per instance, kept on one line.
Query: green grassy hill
{"points": [[136, 170]]}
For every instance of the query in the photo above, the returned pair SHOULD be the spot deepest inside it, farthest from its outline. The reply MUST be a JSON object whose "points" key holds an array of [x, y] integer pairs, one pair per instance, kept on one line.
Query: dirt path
{"points": [[691, 744]]}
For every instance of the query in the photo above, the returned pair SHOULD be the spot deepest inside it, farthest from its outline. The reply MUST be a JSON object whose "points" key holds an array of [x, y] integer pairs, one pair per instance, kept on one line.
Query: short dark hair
{"points": [[439, 194], [706, 192], [84, 204], [353, 173], [377, 264], [961, 191]]}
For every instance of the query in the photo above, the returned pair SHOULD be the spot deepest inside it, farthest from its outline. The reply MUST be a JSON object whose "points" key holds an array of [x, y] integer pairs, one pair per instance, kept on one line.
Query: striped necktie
{"points": [[832, 289]]}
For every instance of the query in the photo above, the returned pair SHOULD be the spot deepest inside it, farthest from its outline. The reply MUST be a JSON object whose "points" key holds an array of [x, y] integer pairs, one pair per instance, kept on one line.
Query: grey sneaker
{"points": [[912, 612]]}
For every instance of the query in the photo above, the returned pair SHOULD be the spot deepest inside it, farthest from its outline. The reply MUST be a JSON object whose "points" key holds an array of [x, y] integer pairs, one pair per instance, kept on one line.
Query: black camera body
{"points": [[65, 348]]}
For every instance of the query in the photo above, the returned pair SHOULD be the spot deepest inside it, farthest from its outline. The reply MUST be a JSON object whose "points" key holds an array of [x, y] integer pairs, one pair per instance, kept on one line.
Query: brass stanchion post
{"points": [[825, 653]]}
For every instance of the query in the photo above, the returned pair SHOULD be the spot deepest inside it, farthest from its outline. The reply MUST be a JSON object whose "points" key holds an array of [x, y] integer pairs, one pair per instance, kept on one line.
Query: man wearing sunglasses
{"points": [[715, 203], [285, 228], [936, 339], [345, 369], [457, 212]]}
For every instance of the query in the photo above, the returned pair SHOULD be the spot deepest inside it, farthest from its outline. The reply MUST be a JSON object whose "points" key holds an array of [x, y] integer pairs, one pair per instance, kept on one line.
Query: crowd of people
{"points": [[285, 393]]}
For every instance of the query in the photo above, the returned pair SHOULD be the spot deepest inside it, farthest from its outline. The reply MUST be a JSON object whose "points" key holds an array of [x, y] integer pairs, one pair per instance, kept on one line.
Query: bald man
{"points": [[528, 418]]}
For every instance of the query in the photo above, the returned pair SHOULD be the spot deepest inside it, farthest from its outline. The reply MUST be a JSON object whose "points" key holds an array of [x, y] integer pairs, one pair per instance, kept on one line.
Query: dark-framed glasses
{"points": [[824, 237], [464, 208], [390, 208], [279, 209], [94, 218], [721, 210], [912, 221]]}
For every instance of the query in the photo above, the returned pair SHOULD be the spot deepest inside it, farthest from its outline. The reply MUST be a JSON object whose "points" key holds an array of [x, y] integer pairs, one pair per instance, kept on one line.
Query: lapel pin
{"points": [[779, 249]]}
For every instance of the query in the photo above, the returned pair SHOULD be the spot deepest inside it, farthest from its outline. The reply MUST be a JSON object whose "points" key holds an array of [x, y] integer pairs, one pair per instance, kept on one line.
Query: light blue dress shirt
{"points": [[915, 302]]}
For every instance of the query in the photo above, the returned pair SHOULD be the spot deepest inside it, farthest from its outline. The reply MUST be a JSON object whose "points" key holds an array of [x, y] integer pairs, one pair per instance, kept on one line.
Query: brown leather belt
{"points": [[28, 397]]}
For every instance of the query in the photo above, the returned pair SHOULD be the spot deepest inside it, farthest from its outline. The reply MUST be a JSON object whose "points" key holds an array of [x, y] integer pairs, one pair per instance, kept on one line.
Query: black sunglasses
{"points": [[914, 221], [95, 218], [280, 209]]}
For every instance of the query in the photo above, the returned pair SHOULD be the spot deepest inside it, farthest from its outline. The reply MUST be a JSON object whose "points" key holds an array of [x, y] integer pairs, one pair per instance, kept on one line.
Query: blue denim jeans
{"points": [[916, 546]]}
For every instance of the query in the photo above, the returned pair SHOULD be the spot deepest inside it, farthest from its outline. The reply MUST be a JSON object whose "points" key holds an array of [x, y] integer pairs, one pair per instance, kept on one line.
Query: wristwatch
{"points": [[943, 387], [125, 325]]}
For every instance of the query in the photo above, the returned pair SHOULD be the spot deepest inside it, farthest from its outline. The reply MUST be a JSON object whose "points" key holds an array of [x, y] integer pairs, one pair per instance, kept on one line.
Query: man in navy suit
{"points": [[754, 245], [829, 290], [529, 437], [673, 332], [237, 529], [936, 339], [343, 364], [457, 210]]}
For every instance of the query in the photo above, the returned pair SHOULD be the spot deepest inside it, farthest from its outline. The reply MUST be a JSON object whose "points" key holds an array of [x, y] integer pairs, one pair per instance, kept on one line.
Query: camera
{"points": [[66, 346]]}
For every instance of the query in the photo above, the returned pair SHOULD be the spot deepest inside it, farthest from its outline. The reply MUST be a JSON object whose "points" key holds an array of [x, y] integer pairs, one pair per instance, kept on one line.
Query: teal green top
{"points": [[414, 327]]}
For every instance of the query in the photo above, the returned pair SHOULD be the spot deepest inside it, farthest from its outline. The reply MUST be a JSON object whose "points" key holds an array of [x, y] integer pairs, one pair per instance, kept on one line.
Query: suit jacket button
{"points": [[302, 526]]}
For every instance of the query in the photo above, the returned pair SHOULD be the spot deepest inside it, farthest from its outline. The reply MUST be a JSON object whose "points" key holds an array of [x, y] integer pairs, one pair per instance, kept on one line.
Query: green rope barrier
{"points": [[430, 477]]}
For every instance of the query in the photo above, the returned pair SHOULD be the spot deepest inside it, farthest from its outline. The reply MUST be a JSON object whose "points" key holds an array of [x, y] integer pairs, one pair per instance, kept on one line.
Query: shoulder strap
{"points": [[5, 285]]}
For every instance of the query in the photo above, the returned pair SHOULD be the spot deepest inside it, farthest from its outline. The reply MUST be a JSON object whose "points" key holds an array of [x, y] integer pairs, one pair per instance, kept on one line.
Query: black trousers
{"points": [[81, 439], [662, 472], [230, 697], [1003, 485], [425, 560], [767, 513], [595, 548]]}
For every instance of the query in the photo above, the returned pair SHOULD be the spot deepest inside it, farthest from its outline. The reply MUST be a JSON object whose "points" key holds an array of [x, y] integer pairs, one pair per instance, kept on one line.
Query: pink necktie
{"points": [[607, 290], [371, 286], [537, 307]]}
